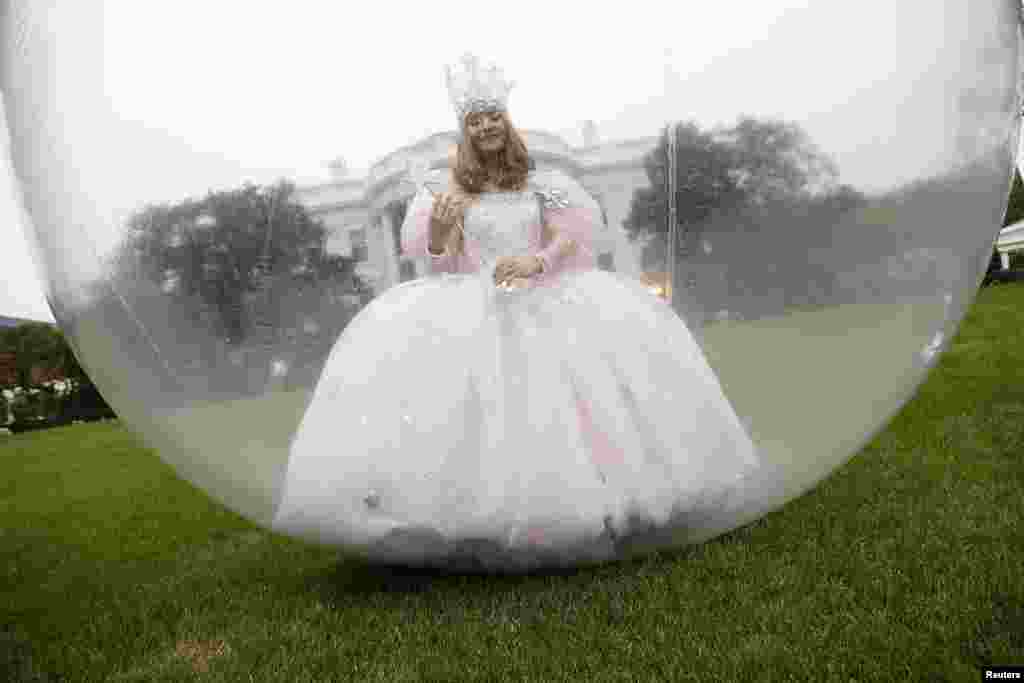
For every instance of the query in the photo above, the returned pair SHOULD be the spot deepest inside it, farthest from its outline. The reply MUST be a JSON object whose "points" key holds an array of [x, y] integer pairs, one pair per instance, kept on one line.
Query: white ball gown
{"points": [[456, 422]]}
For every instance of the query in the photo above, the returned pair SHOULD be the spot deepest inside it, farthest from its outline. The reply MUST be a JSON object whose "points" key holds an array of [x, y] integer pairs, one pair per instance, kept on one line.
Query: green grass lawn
{"points": [[906, 564]]}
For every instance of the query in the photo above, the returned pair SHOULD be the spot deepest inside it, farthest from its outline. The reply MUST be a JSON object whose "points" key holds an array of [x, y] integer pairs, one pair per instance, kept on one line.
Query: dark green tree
{"points": [[219, 250], [37, 346], [42, 349], [755, 162], [705, 181], [747, 195], [776, 161]]}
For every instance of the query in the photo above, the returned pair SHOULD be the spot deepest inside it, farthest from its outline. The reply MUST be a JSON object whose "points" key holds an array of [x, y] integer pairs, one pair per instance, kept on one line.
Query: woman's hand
{"points": [[511, 267], [447, 213]]}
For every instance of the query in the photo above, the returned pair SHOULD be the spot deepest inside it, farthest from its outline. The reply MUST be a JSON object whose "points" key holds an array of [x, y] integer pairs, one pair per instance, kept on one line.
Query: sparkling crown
{"points": [[476, 89]]}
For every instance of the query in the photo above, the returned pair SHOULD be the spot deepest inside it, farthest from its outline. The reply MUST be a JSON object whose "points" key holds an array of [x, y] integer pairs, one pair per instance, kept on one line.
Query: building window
{"points": [[606, 261], [406, 270], [360, 249]]}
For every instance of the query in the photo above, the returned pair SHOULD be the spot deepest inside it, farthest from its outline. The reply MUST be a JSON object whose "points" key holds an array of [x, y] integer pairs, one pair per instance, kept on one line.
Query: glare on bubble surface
{"points": [[836, 206]]}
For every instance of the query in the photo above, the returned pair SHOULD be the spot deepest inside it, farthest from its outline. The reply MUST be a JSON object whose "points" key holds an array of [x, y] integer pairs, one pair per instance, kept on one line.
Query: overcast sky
{"points": [[160, 101]]}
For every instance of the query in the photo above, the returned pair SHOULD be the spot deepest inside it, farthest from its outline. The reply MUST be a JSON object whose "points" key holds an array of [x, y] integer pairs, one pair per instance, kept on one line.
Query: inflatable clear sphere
{"points": [[741, 243]]}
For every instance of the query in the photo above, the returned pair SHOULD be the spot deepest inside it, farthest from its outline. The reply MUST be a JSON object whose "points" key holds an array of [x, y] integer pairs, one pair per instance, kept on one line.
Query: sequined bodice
{"points": [[498, 224]]}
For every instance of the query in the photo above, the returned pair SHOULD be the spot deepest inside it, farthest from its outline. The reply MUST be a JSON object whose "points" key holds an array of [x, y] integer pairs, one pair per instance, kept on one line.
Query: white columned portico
{"points": [[1010, 240]]}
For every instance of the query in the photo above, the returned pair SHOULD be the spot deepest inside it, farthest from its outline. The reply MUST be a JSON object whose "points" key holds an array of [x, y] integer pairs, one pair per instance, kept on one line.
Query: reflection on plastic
{"points": [[835, 213]]}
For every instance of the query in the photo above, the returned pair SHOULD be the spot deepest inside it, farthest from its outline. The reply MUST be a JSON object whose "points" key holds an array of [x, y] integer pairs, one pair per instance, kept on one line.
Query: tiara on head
{"points": [[476, 89]]}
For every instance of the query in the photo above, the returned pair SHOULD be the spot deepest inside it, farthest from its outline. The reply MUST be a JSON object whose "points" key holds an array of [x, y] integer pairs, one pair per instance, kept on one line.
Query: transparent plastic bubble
{"points": [[218, 197]]}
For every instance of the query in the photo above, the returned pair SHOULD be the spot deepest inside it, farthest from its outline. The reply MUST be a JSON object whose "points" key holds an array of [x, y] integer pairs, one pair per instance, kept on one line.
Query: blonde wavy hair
{"points": [[471, 175]]}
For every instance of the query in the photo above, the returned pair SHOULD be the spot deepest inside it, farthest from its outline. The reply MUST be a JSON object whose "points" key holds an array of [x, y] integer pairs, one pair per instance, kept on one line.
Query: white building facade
{"points": [[1010, 240], [354, 210]]}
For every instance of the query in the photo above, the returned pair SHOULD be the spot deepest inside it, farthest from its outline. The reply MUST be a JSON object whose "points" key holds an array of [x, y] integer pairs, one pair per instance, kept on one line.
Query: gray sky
{"points": [[159, 101]]}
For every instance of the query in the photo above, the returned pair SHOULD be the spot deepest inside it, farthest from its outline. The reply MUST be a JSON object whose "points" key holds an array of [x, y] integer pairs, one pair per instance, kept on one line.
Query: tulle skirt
{"points": [[560, 414]]}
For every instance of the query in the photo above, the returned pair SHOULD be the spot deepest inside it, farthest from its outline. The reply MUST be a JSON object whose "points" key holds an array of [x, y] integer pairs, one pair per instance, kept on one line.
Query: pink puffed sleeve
{"points": [[572, 218], [416, 234]]}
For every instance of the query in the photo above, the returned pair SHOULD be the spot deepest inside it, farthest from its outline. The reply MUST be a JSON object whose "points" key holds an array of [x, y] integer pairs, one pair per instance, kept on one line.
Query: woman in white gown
{"points": [[517, 403]]}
